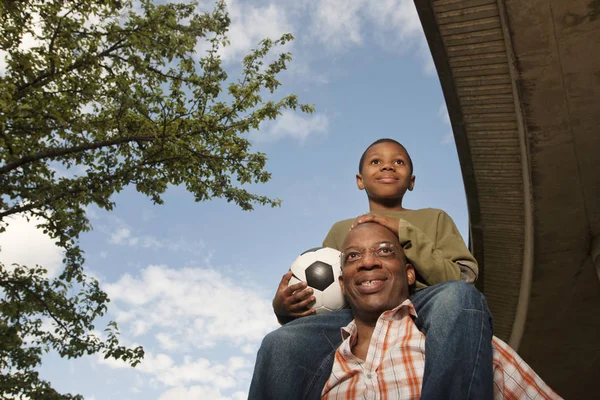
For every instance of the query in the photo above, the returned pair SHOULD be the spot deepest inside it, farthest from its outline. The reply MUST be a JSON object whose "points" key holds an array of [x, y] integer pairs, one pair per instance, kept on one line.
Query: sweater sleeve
{"points": [[329, 240], [337, 234], [444, 259]]}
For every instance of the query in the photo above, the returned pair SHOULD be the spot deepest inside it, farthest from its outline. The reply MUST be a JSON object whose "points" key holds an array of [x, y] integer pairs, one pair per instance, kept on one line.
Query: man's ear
{"points": [[411, 186], [341, 281], [360, 183], [410, 274]]}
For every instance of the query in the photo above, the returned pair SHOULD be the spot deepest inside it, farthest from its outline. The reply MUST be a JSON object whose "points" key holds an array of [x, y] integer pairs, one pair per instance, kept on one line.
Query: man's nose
{"points": [[369, 260]]}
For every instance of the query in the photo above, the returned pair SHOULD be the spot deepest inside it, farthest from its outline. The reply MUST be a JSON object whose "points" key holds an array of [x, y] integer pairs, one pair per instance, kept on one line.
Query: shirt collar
{"points": [[350, 329]]}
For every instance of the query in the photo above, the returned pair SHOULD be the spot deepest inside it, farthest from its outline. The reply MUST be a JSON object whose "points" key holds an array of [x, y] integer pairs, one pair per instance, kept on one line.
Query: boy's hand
{"points": [[294, 300], [390, 223]]}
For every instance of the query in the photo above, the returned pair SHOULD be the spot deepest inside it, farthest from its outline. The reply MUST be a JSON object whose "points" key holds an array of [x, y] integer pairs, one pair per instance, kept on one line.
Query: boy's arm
{"points": [[447, 258]]}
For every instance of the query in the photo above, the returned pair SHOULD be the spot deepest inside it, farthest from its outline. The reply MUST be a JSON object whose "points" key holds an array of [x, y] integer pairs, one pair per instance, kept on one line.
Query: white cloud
{"points": [[28, 41], [299, 70], [166, 342], [191, 307], [92, 20], [445, 118], [249, 25], [3, 55], [337, 23], [221, 376], [199, 392], [24, 244], [123, 235], [341, 24], [294, 125], [188, 312], [397, 20], [425, 53], [89, 108]]}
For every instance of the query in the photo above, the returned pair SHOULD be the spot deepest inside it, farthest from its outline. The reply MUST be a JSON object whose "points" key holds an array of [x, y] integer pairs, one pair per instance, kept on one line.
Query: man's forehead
{"points": [[367, 234], [363, 245]]}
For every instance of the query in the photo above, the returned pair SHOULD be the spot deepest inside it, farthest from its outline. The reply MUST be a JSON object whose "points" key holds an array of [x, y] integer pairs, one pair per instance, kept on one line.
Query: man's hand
{"points": [[292, 301], [390, 223]]}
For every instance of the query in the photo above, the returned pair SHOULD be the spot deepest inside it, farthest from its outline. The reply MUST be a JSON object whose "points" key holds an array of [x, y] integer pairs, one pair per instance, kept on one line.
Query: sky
{"points": [[193, 282]]}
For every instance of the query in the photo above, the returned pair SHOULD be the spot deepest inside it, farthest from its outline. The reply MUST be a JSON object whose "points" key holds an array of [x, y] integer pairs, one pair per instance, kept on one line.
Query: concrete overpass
{"points": [[521, 81]]}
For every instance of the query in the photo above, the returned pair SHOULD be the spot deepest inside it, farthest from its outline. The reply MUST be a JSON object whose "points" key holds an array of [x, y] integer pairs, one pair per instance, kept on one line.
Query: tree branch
{"points": [[45, 305], [69, 150], [75, 192], [16, 210], [39, 81]]}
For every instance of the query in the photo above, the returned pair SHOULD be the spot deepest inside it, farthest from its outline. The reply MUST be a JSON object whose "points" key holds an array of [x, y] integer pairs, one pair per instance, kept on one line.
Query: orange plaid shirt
{"points": [[396, 361]]}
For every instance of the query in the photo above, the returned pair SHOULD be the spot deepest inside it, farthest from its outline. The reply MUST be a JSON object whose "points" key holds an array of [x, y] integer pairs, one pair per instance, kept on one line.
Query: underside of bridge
{"points": [[521, 81]]}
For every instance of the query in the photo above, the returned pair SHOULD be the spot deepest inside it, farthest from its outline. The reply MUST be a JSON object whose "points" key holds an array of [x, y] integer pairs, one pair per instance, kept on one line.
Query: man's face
{"points": [[375, 274], [386, 172]]}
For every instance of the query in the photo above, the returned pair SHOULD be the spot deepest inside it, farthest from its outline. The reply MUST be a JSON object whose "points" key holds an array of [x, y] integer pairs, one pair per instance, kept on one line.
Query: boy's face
{"points": [[386, 172]]}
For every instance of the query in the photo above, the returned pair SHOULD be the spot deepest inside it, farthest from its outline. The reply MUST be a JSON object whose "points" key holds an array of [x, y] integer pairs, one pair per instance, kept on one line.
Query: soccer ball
{"points": [[319, 268]]}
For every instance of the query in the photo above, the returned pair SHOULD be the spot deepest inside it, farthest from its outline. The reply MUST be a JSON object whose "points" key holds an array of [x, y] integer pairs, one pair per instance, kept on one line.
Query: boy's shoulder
{"points": [[426, 219], [343, 225], [422, 213], [425, 213]]}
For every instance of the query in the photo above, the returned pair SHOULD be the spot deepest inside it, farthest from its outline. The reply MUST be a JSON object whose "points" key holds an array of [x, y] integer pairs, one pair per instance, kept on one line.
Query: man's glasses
{"points": [[382, 251]]}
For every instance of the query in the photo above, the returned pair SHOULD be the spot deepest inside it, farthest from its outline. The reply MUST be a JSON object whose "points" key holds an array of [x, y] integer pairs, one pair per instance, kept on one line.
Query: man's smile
{"points": [[370, 284]]}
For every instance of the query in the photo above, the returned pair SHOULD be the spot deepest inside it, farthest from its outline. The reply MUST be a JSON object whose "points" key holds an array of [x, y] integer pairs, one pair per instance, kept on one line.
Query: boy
{"points": [[295, 361]]}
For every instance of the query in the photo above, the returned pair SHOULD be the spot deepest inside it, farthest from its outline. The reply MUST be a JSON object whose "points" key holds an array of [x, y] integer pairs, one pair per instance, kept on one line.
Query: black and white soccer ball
{"points": [[320, 268]]}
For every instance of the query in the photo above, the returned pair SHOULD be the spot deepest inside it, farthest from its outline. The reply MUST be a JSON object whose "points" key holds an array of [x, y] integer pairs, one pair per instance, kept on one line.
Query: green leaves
{"points": [[29, 306], [131, 102], [96, 96]]}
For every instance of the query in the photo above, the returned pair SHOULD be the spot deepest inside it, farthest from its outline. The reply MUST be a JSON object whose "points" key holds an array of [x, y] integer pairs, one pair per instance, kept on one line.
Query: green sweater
{"points": [[430, 240]]}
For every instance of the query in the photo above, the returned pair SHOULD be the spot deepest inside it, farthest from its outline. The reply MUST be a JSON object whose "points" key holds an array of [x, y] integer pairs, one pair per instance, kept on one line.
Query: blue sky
{"points": [[193, 282]]}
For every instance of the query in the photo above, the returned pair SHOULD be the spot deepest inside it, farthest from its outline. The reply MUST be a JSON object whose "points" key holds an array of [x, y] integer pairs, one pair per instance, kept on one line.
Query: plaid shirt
{"points": [[395, 364]]}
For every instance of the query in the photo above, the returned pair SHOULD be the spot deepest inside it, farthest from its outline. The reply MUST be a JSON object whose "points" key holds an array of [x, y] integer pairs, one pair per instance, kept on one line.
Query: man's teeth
{"points": [[370, 283]]}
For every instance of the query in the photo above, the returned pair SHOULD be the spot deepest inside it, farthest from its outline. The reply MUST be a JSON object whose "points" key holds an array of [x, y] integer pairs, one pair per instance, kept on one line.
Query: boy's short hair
{"points": [[384, 140]]}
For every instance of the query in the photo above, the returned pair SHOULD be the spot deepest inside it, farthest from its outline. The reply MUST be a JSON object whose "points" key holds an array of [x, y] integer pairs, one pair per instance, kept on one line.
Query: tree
{"points": [[112, 93]]}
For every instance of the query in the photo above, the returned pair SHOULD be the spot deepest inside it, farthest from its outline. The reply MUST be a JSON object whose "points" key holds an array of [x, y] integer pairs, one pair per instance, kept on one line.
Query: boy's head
{"points": [[385, 173], [384, 140]]}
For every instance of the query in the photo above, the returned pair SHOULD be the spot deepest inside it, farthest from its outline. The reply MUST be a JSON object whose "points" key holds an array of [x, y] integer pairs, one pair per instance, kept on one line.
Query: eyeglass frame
{"points": [[373, 250]]}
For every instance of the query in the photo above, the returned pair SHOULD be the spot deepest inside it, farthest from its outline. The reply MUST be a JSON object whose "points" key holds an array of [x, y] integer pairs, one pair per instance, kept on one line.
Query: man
{"points": [[382, 355]]}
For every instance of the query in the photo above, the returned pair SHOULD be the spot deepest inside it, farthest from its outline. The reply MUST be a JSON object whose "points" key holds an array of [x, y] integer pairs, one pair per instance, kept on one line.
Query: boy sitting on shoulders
{"points": [[295, 361]]}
